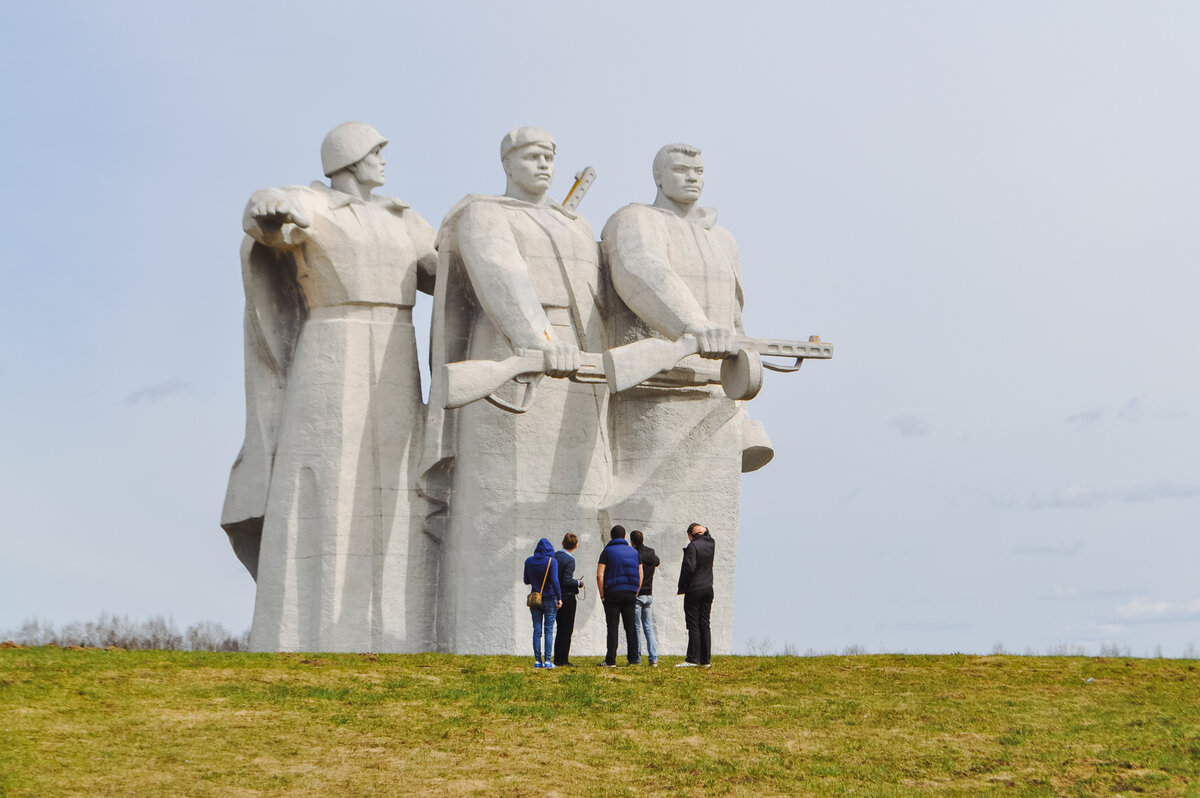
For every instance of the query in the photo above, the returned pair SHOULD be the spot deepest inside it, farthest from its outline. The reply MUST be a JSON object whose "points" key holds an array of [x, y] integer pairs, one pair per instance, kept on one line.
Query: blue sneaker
{"points": [[549, 666], [537, 663]]}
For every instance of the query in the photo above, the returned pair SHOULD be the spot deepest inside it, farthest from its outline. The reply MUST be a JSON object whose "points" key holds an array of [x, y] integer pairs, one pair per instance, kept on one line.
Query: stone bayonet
{"points": [[583, 181]]}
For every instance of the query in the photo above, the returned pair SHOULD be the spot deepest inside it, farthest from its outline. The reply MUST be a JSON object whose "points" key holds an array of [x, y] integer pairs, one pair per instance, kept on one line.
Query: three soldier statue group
{"points": [[575, 385]]}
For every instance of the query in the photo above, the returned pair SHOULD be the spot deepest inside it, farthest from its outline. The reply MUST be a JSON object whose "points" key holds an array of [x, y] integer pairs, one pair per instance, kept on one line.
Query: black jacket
{"points": [[566, 573], [697, 570], [649, 561]]}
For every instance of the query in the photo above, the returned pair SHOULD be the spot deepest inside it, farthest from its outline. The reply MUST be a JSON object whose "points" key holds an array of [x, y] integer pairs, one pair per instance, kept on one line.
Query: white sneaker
{"points": [[686, 664]]}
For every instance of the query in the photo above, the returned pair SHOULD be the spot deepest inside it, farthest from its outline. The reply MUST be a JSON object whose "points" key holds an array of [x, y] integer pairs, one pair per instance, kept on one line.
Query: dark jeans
{"points": [[619, 604], [566, 626], [697, 612]]}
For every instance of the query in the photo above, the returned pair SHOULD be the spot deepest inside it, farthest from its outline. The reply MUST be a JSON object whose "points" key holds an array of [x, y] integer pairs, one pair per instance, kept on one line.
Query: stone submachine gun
{"points": [[651, 361]]}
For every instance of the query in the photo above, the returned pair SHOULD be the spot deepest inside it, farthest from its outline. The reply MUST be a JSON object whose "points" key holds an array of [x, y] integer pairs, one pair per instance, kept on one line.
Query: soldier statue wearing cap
{"points": [[320, 507], [516, 273]]}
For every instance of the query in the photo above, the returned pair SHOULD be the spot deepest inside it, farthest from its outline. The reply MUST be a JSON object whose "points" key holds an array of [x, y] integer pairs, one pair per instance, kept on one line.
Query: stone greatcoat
{"points": [[320, 505], [511, 275]]}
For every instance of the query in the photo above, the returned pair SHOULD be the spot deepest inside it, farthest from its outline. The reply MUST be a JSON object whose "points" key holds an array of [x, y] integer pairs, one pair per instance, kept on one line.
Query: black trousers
{"points": [[697, 614], [618, 604], [566, 627]]}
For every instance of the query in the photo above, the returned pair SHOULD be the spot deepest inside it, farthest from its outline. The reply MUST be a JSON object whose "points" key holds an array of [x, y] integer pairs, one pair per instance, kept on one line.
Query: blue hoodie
{"points": [[535, 570]]}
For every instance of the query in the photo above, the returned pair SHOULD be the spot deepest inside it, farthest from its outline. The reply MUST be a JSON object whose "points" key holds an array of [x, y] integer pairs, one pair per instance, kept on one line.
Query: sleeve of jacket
{"points": [[688, 568], [553, 588]]}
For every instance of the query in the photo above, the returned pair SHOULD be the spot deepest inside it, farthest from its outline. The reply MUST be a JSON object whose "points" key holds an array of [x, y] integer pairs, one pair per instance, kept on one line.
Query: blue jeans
{"points": [[543, 618], [643, 619]]}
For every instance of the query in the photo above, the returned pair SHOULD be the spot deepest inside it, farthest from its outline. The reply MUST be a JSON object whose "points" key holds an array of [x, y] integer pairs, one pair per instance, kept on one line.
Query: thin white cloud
{"points": [[1162, 489], [1068, 498], [160, 390], [1132, 412], [1062, 550], [1074, 497], [911, 426], [1142, 610]]}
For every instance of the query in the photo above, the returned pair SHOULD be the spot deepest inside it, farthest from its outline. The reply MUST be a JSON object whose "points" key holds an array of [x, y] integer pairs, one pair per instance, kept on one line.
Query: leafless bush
{"points": [[120, 632], [854, 650], [758, 648], [789, 650], [998, 649], [1114, 649], [1067, 650], [1189, 651]]}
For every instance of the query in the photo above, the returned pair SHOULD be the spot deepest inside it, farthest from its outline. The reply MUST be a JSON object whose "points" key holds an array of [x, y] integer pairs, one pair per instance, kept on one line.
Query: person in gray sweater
{"points": [[643, 608]]}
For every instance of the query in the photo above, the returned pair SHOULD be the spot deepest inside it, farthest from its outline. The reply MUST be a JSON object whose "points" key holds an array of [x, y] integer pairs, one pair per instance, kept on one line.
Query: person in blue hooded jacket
{"points": [[541, 574]]}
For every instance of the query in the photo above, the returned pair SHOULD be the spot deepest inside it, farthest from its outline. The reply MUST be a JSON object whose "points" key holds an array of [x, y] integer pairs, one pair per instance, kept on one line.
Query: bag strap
{"points": [[547, 574]]}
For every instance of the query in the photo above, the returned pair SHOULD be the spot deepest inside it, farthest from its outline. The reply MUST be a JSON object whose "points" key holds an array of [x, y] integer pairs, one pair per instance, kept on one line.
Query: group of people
{"points": [[361, 511], [625, 585]]}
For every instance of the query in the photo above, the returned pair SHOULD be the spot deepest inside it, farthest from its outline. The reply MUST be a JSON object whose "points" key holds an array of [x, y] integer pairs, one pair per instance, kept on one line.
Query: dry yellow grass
{"points": [[102, 723]]}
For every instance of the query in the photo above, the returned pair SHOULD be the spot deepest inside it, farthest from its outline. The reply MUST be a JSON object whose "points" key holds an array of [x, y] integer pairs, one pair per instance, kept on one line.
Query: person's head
{"points": [[679, 174], [695, 530], [348, 145], [570, 541], [636, 538], [527, 154], [618, 531]]}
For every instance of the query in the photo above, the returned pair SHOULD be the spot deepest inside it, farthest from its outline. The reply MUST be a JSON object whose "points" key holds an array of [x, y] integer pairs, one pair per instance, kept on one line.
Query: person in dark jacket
{"points": [[696, 586], [541, 574], [570, 592], [618, 579], [643, 607]]}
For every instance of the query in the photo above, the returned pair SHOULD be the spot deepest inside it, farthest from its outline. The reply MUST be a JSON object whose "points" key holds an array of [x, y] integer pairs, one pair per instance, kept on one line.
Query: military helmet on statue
{"points": [[347, 144]]}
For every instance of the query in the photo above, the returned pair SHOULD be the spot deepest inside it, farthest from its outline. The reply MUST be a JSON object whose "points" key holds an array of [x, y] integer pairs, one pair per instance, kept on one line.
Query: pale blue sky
{"points": [[990, 209]]}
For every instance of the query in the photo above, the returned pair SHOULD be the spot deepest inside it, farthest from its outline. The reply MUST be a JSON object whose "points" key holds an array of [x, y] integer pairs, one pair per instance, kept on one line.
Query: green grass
{"points": [[144, 723]]}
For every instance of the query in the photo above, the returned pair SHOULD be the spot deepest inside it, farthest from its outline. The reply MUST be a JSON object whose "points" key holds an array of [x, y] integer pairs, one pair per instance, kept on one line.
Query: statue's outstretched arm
{"points": [[272, 216]]}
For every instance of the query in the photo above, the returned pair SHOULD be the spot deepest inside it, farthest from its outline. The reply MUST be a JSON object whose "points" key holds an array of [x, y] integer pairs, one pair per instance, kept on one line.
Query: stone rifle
{"points": [[650, 361]]}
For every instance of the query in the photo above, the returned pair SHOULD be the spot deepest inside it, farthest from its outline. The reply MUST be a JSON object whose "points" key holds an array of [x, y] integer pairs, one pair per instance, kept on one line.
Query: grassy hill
{"points": [[146, 723]]}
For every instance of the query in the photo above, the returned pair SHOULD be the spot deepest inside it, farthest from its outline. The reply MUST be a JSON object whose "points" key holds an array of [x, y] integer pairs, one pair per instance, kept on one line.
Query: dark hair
{"points": [[692, 526], [636, 538], [570, 540], [618, 531]]}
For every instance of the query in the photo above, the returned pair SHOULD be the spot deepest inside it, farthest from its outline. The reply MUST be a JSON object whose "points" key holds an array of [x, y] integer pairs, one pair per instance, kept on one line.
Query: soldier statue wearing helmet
{"points": [[319, 506]]}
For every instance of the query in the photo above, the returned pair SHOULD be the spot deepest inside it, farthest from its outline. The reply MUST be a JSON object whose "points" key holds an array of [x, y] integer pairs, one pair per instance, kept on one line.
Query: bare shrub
{"points": [[854, 650], [789, 650], [114, 631], [1067, 650], [758, 648]]}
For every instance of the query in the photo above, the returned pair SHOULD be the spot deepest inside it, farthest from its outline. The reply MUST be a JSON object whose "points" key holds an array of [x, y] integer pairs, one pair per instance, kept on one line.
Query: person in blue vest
{"points": [[541, 574], [618, 580]]}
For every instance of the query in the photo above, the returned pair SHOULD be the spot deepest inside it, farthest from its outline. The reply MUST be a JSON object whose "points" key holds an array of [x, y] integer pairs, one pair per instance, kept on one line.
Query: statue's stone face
{"points": [[531, 168], [370, 170], [682, 178]]}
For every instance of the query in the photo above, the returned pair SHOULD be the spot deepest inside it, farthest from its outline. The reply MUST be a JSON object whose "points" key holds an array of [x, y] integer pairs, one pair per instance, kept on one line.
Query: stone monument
{"points": [[321, 506], [575, 386]]}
